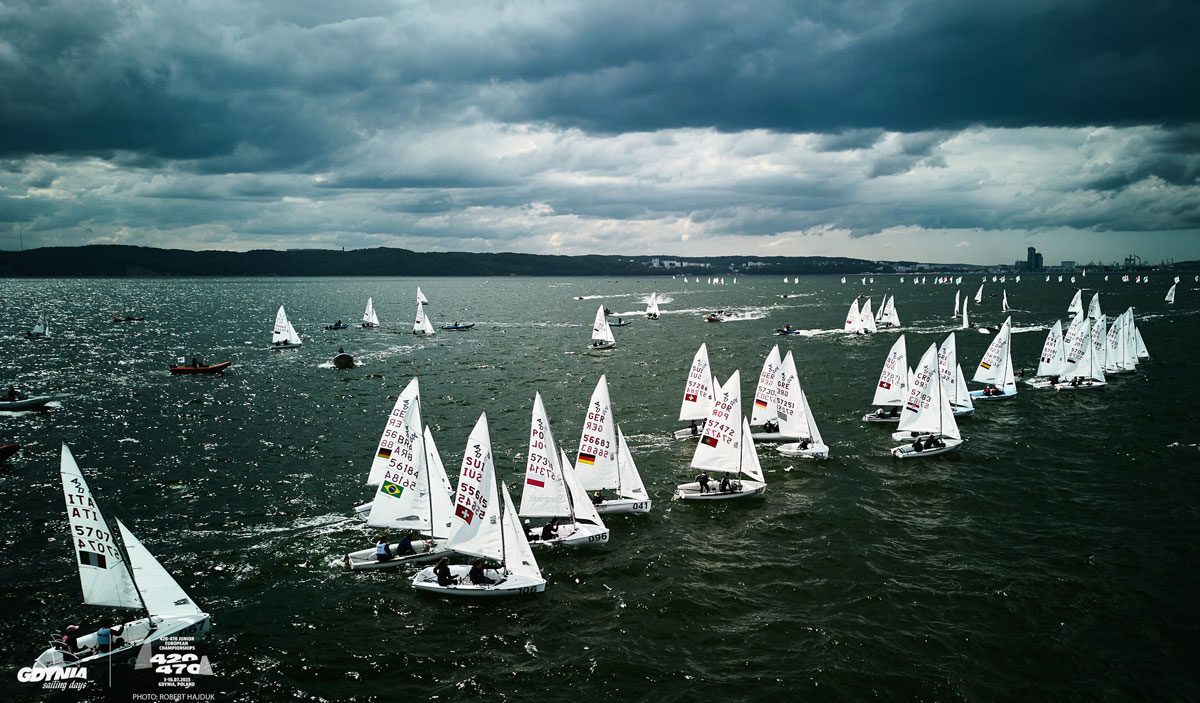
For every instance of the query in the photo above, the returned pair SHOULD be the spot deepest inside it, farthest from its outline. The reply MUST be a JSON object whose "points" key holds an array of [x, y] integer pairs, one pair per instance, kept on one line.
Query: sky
{"points": [[929, 130]]}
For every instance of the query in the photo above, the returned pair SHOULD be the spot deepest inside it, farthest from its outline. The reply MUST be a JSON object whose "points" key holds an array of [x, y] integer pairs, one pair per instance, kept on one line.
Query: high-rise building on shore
{"points": [[1033, 260]]}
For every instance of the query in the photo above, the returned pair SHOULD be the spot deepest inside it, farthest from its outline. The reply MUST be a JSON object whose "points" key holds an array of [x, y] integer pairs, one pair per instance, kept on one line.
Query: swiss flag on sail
{"points": [[885, 385], [465, 513], [689, 397]]}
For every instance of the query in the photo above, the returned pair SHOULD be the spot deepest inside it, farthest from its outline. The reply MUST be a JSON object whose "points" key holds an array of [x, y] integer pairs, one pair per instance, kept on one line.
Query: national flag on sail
{"points": [[92, 559], [689, 397], [384, 453], [465, 513], [392, 489], [985, 364], [886, 385], [709, 440], [535, 482], [758, 402], [589, 459]]}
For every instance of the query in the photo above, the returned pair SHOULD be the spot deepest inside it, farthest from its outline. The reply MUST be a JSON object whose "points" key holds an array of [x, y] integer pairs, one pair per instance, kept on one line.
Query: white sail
{"points": [[476, 524], [581, 507], [1100, 342], [1171, 294], [979, 294], [698, 391], [1072, 332], [788, 410], [749, 463], [1053, 353], [866, 322], [965, 322], [596, 464], [421, 297], [369, 315], [437, 470], [961, 398], [720, 445], [1142, 352], [422, 325], [545, 492], [956, 298], [812, 433], [103, 572], [764, 394], [601, 332], [652, 311], [42, 327], [1114, 354], [1094, 306], [407, 400], [1004, 303], [411, 496], [1076, 305], [853, 320], [631, 480], [890, 317], [927, 408], [518, 557], [1078, 360], [995, 367], [161, 595], [283, 331], [950, 372], [892, 388]]}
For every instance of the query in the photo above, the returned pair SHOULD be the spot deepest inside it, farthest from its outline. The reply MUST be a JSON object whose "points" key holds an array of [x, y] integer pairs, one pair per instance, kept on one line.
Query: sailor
{"points": [[382, 553], [726, 486], [917, 445], [404, 546], [195, 362], [104, 639], [695, 430], [597, 499], [476, 574], [550, 531], [70, 641], [443, 572], [341, 351], [702, 479], [12, 394], [804, 443], [529, 533], [771, 426]]}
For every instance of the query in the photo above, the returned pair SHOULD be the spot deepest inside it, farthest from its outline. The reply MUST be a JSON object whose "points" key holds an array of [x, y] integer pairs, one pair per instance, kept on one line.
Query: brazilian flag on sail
{"points": [[392, 489]]}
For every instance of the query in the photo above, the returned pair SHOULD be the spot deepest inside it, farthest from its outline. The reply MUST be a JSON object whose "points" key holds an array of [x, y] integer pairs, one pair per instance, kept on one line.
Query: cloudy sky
{"points": [[937, 130]]}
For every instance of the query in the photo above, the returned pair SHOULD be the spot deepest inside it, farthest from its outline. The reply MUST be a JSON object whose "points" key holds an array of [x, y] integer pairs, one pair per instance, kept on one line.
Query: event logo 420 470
{"points": [[176, 660]]}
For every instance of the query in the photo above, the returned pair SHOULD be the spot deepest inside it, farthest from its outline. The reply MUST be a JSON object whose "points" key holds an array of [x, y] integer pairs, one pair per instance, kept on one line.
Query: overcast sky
{"points": [[939, 130]]}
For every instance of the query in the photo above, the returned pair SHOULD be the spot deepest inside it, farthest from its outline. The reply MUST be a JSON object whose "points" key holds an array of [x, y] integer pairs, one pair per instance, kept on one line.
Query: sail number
{"points": [[176, 664]]}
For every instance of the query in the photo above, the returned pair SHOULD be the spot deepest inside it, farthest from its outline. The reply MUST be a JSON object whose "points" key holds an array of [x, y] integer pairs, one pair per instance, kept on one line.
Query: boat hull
{"points": [[343, 361], [692, 432], [136, 634], [979, 395], [907, 451], [215, 368], [774, 437], [598, 346], [510, 585], [572, 535], [8, 450], [691, 491], [874, 417], [365, 559], [458, 328], [26, 404], [1085, 385], [620, 506], [281, 347], [812, 451]]}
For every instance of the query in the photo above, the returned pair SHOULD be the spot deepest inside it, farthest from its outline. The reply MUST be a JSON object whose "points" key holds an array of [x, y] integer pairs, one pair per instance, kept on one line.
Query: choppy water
{"points": [[1053, 557]]}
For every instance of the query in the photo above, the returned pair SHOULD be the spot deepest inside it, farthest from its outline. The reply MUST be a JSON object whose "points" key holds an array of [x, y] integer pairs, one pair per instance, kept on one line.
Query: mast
{"points": [[428, 474]]}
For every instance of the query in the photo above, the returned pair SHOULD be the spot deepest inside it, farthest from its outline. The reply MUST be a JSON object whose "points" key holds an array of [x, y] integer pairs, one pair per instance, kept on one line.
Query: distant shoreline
{"points": [[121, 261]]}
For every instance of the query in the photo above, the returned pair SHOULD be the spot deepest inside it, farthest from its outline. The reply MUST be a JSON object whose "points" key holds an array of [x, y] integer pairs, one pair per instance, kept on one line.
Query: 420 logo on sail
{"points": [[176, 664]]}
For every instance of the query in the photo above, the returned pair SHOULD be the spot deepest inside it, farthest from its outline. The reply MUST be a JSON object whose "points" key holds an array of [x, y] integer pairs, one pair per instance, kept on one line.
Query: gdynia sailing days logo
{"points": [[58, 677]]}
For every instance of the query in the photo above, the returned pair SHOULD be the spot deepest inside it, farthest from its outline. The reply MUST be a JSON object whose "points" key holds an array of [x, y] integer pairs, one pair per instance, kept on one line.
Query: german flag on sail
{"points": [[589, 459], [758, 402], [384, 453], [709, 440], [535, 482], [92, 559], [392, 489]]}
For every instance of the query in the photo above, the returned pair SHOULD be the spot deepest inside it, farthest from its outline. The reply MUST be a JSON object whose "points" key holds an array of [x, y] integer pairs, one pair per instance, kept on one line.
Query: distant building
{"points": [[1033, 260], [1069, 265]]}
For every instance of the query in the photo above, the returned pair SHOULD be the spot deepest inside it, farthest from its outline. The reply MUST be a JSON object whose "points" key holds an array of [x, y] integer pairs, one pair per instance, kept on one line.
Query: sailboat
{"points": [[421, 297], [1076, 305], [956, 304], [652, 312], [995, 368], [892, 389], [853, 319], [602, 336], [486, 528], [118, 572], [726, 448], [866, 323], [888, 317], [1082, 369], [1139, 346], [422, 325], [370, 319], [1094, 307], [927, 412], [698, 394], [284, 336], [794, 410], [1051, 361], [41, 328], [604, 463], [979, 294], [763, 411], [411, 495], [1170, 294], [1116, 354], [1004, 303], [953, 383], [552, 490], [965, 321]]}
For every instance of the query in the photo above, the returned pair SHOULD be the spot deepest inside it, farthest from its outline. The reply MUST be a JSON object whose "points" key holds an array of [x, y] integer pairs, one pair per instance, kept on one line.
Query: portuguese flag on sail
{"points": [[709, 440]]}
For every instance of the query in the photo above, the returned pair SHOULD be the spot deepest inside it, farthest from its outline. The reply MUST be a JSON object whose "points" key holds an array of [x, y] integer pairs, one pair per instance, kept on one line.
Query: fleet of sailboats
{"points": [[727, 449]]}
